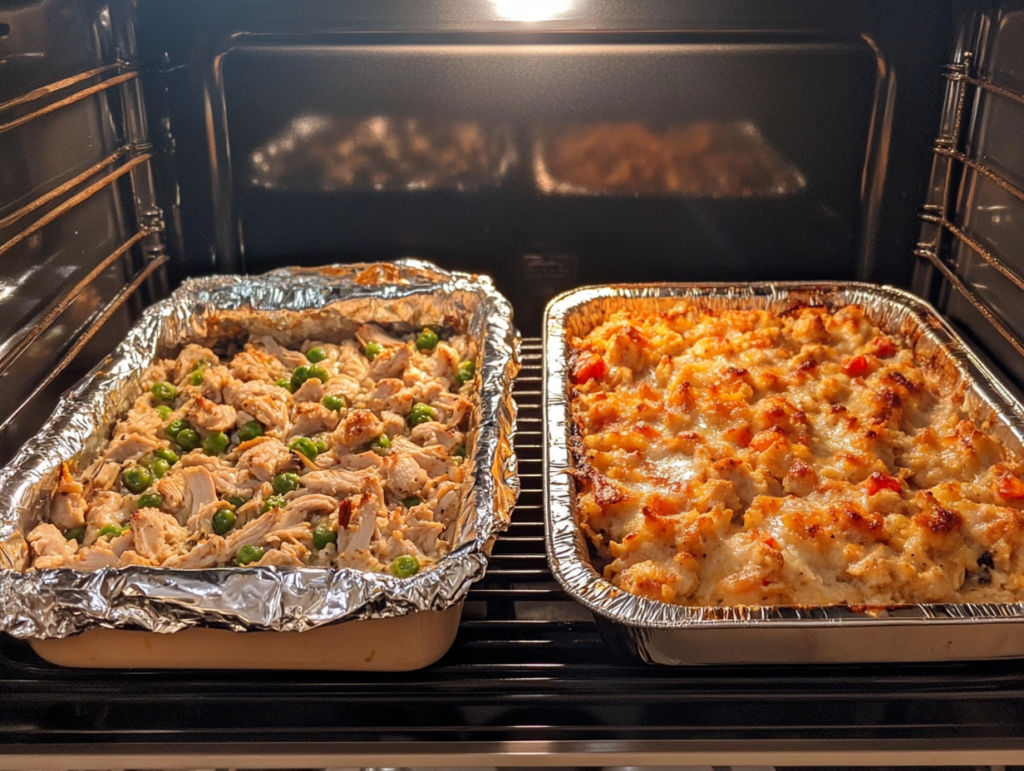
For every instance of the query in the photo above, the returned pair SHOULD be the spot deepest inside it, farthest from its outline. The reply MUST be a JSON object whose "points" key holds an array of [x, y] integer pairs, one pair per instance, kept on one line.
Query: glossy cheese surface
{"points": [[805, 458]]}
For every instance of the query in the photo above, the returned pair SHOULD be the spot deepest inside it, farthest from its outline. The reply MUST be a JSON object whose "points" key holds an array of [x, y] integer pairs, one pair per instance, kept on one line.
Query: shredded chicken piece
{"points": [[254, 532], [212, 416], [390, 394], [337, 482], [265, 457], [50, 546], [130, 447], [356, 429], [434, 434], [266, 402], [289, 359], [158, 536], [254, 364], [200, 492], [190, 357], [312, 418], [68, 511], [390, 363], [206, 554], [405, 476]]}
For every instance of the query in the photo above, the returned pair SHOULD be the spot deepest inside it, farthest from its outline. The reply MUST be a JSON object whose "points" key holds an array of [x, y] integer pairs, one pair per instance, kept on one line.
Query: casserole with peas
{"points": [[334, 454]]}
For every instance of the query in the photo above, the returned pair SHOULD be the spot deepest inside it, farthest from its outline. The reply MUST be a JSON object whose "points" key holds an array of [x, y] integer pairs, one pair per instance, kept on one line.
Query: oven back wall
{"points": [[335, 132]]}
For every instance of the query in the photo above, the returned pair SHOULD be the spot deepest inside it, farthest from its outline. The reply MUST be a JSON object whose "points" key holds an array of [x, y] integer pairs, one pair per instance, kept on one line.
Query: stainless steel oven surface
{"points": [[550, 144]]}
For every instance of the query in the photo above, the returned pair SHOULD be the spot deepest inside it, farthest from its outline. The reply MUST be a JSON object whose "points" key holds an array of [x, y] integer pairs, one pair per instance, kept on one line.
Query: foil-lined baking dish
{"points": [[47, 605], [671, 634]]}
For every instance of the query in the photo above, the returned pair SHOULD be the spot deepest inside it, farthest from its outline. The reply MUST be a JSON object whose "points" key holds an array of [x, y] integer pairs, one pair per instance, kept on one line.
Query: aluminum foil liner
{"points": [[696, 160], [297, 303], [638, 619]]}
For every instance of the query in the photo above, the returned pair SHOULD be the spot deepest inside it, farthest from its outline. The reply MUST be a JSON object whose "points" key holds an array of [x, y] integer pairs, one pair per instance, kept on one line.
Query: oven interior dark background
{"points": [[129, 138]]}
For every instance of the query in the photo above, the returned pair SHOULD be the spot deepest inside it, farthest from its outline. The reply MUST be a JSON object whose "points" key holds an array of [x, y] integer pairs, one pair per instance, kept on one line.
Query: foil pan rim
{"points": [[56, 603], [564, 542]]}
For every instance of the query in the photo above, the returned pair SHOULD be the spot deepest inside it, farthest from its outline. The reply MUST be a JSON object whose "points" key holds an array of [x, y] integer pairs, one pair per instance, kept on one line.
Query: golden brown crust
{"points": [[803, 458]]}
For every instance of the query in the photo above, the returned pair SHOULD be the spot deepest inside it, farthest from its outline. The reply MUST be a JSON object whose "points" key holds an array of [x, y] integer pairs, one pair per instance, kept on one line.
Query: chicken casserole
{"points": [[335, 454], [744, 457]]}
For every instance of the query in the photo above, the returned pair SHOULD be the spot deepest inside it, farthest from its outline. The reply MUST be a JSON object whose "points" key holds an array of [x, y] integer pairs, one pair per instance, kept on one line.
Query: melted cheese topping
{"points": [[749, 458]]}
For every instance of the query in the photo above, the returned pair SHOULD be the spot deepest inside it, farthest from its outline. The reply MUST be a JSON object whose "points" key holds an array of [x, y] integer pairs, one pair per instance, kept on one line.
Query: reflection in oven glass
{"points": [[705, 160], [317, 153]]}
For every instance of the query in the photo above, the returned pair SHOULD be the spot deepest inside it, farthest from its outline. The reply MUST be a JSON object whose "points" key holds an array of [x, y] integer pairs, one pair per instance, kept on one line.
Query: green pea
{"points": [[304, 446], [320, 374], [196, 378], [167, 454], [413, 501], [381, 445], [249, 554], [404, 566], [164, 411], [159, 467], [187, 439], [323, 535], [235, 501], [151, 501], [273, 502], [373, 350], [137, 478], [286, 384], [175, 427], [164, 391], [112, 531], [286, 482], [321, 445], [223, 521], [316, 354], [250, 431], [299, 376], [427, 341], [459, 451], [333, 403], [465, 372], [420, 413], [75, 534], [215, 443]]}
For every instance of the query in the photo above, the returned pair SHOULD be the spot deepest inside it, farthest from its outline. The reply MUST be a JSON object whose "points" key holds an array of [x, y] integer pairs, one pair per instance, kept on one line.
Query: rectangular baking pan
{"points": [[671, 634], [265, 618]]}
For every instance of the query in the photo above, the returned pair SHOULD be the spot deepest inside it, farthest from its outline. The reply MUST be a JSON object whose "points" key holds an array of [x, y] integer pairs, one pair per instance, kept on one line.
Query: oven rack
{"points": [[949, 239], [529, 680], [109, 275]]}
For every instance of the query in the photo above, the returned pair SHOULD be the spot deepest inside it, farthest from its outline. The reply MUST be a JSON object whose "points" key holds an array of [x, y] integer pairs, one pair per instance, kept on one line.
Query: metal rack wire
{"points": [[123, 175], [941, 233]]}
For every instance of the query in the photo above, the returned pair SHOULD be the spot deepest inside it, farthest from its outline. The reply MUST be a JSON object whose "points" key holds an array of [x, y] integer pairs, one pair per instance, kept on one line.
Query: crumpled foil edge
{"points": [[576, 312], [62, 602]]}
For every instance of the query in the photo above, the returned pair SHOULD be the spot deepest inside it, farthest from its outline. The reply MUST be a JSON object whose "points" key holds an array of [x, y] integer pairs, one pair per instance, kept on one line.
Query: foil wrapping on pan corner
{"points": [[59, 603], [577, 312]]}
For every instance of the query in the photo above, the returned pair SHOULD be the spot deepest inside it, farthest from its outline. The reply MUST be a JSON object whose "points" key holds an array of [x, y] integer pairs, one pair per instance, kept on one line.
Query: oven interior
{"points": [[144, 142]]}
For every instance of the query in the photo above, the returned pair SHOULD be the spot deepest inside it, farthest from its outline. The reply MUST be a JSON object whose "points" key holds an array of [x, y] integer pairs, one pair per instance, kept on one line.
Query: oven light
{"points": [[531, 10]]}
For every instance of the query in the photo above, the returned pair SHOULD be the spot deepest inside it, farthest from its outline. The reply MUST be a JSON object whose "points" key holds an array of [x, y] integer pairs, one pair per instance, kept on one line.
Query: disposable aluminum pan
{"points": [[186, 618], [671, 634]]}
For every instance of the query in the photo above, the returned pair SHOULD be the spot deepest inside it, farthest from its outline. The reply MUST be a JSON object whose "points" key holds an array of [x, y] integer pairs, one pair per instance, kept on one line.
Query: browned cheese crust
{"points": [[807, 458]]}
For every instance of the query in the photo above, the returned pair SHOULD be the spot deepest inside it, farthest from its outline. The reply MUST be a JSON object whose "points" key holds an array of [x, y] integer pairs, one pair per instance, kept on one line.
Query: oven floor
{"points": [[530, 667]]}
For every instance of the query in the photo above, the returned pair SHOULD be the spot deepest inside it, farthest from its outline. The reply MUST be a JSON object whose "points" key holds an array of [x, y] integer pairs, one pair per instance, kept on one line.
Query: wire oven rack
{"points": [[528, 676]]}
